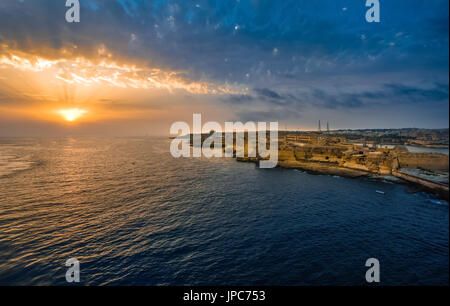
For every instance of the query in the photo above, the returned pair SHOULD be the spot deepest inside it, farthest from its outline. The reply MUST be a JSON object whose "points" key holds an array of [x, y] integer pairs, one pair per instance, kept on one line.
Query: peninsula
{"points": [[357, 154]]}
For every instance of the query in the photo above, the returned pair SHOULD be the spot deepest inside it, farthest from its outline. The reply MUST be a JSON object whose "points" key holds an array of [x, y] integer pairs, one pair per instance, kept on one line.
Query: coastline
{"points": [[317, 168], [314, 167], [324, 155]]}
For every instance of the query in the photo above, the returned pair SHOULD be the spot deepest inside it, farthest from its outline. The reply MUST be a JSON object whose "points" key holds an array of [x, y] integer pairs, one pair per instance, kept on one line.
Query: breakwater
{"points": [[435, 187]]}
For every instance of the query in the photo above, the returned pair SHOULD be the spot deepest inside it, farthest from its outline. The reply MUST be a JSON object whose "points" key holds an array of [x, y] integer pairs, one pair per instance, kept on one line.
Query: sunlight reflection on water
{"points": [[132, 214]]}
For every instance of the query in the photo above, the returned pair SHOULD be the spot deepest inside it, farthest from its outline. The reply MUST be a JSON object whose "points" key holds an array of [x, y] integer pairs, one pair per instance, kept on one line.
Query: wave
{"points": [[12, 164]]}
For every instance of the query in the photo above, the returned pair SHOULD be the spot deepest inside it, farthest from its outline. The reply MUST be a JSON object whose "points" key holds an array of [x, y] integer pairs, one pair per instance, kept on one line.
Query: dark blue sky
{"points": [[300, 60]]}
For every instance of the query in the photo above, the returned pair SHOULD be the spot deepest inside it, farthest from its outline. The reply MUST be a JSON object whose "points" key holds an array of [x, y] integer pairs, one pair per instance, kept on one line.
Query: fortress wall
{"points": [[374, 162], [322, 152], [284, 155], [432, 186], [427, 161], [356, 166]]}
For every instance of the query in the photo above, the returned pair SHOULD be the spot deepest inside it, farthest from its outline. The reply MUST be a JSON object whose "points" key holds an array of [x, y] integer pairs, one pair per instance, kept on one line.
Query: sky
{"points": [[134, 67]]}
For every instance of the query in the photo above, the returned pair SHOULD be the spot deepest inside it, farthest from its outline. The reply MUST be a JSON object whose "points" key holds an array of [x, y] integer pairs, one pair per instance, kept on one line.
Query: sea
{"points": [[131, 214]]}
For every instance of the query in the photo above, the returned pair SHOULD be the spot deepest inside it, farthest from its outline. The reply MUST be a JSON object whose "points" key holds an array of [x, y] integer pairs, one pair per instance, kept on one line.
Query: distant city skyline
{"points": [[133, 67]]}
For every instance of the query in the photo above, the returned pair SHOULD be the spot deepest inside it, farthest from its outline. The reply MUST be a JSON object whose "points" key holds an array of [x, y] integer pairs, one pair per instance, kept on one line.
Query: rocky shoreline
{"points": [[321, 154], [314, 167], [317, 168]]}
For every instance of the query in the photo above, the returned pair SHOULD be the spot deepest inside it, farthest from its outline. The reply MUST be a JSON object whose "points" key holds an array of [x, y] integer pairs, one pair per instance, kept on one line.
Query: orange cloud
{"points": [[104, 71]]}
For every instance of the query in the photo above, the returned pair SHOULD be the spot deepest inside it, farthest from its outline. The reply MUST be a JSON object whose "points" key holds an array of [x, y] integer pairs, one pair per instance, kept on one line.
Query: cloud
{"points": [[270, 115], [409, 94], [261, 57], [270, 94], [388, 94], [103, 70], [239, 99], [178, 35], [292, 105]]}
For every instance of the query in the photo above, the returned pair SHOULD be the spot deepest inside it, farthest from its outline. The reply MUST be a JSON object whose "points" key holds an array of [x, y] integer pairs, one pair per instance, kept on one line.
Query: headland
{"points": [[335, 154]]}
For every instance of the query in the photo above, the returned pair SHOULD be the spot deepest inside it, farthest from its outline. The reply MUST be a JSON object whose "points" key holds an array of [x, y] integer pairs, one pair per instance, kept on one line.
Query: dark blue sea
{"points": [[134, 215]]}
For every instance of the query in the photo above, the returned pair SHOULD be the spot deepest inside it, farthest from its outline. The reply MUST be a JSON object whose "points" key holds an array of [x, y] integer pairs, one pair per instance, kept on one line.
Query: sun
{"points": [[72, 114]]}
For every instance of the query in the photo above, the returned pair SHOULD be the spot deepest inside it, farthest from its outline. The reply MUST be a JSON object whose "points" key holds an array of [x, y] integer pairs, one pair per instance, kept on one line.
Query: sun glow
{"points": [[72, 114], [71, 88], [106, 72]]}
